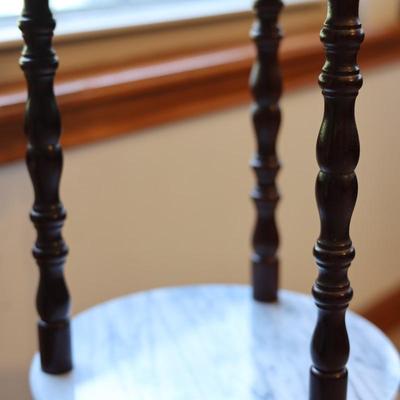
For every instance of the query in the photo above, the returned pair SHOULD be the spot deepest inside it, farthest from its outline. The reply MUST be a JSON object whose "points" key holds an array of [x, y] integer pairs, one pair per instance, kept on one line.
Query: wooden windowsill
{"points": [[103, 103]]}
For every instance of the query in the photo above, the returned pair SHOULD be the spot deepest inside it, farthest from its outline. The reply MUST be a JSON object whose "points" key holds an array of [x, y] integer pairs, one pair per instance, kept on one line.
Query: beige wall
{"points": [[170, 206], [378, 14]]}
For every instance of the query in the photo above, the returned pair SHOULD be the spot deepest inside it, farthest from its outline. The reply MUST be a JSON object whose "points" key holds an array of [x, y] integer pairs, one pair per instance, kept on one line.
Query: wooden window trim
{"points": [[103, 103], [384, 312]]}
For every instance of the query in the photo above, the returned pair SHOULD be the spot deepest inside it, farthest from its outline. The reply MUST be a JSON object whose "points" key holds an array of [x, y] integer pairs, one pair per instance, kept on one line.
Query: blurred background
{"points": [[158, 138]]}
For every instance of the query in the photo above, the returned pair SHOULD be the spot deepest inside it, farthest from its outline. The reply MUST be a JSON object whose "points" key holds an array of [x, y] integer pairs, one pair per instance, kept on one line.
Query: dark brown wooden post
{"points": [[336, 191], [44, 161], [266, 86]]}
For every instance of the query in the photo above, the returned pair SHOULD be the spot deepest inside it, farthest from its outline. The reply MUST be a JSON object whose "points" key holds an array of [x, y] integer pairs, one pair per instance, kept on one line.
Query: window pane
{"points": [[11, 8], [14, 7], [79, 16]]}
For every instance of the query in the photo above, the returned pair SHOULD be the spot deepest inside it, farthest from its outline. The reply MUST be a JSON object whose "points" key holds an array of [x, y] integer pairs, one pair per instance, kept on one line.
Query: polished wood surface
{"points": [[266, 86], [44, 161], [384, 313], [141, 96], [338, 152], [209, 342]]}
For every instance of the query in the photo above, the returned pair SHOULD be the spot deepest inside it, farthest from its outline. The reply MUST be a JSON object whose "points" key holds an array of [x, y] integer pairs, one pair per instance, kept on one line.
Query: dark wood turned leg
{"points": [[55, 347], [328, 387], [336, 192], [44, 160], [266, 87]]}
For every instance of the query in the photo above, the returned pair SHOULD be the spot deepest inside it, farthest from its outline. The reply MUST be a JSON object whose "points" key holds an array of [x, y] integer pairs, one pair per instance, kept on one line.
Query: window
{"points": [[14, 8], [94, 34], [106, 14], [93, 15], [125, 62]]}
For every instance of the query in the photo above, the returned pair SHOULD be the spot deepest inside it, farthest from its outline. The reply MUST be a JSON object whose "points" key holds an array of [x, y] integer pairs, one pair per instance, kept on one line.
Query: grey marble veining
{"points": [[209, 342]]}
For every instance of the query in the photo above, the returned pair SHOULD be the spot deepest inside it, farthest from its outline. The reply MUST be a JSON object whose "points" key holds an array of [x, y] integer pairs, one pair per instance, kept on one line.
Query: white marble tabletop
{"points": [[209, 342]]}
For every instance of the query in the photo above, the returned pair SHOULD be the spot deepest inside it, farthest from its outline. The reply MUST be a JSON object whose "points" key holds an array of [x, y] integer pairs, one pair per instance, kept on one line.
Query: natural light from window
{"points": [[9, 9], [13, 8], [80, 16]]}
